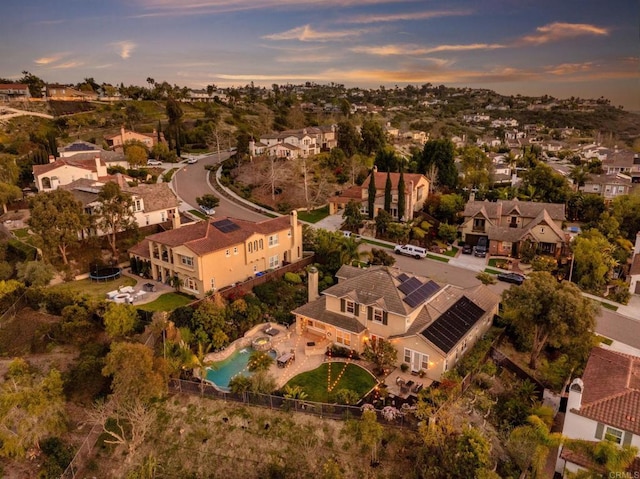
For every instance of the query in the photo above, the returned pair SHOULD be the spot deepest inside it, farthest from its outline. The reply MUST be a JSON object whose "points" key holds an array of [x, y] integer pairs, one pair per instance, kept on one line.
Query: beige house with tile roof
{"points": [[213, 254], [293, 144], [116, 142], [154, 204], [431, 325], [603, 404], [507, 224], [66, 170], [416, 193]]}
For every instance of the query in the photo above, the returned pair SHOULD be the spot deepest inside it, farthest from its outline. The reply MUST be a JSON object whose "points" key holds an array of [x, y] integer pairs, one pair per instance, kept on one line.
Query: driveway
{"points": [[331, 222]]}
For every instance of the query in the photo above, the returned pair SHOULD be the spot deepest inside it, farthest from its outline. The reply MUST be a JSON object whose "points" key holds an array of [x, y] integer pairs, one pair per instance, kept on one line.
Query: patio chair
{"points": [[417, 388]]}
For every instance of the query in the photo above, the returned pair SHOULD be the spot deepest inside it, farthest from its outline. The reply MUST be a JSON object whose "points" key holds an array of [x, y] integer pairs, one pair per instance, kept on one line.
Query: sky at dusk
{"points": [[563, 48]]}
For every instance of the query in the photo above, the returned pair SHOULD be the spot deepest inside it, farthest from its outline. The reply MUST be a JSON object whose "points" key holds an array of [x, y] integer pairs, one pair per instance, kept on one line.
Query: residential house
{"points": [[68, 93], [80, 159], [295, 143], [416, 193], [14, 92], [623, 161], [154, 204], [431, 325], [63, 171], [603, 405], [507, 225], [608, 186], [216, 253], [116, 142]]}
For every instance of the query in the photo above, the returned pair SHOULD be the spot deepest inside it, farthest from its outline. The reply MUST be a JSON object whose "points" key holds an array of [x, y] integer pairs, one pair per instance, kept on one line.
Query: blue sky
{"points": [[587, 48]]}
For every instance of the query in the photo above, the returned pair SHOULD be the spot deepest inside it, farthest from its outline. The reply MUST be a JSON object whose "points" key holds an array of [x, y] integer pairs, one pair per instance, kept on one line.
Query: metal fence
{"points": [[83, 454], [332, 411]]}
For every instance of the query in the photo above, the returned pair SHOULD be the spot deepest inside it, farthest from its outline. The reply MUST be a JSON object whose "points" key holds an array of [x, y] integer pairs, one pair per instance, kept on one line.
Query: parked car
{"points": [[480, 249], [207, 211], [154, 162], [467, 249], [410, 250], [191, 161], [514, 278]]}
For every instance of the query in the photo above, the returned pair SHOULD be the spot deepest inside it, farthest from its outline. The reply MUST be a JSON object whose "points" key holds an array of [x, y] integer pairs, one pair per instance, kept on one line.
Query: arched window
{"points": [[46, 183], [261, 244], [250, 247]]}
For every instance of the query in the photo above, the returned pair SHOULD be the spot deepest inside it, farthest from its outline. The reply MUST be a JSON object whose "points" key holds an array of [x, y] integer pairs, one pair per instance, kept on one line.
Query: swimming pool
{"points": [[221, 372]]}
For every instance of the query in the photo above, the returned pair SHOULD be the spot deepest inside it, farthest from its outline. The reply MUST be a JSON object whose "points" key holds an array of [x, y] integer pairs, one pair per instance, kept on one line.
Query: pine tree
{"points": [[402, 203], [372, 193], [387, 194]]}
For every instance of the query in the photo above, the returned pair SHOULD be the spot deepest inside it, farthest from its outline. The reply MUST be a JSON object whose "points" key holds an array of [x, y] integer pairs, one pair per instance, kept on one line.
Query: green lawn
{"points": [[609, 306], [166, 177], [167, 302], [314, 215], [377, 243], [315, 383], [452, 253], [197, 213], [94, 288], [438, 258], [21, 233], [491, 271]]}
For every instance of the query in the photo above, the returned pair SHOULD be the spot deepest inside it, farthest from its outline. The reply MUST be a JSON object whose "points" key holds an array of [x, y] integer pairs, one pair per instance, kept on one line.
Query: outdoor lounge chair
{"points": [[417, 388]]}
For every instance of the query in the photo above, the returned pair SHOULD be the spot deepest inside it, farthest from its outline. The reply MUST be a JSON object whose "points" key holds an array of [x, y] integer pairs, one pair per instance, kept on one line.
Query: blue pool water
{"points": [[221, 372]]}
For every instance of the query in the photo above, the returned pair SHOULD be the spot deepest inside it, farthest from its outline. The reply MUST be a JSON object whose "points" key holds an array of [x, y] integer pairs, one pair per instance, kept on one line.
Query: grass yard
{"points": [[452, 253], [491, 271], [21, 233], [314, 215], [314, 383], [438, 258], [377, 243], [167, 302], [612, 307], [93, 288], [198, 214]]}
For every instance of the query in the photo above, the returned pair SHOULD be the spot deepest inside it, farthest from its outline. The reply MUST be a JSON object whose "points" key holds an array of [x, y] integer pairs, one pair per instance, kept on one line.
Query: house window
{"points": [[289, 234], [407, 355], [350, 307], [187, 261], [478, 224], [213, 284], [273, 240], [613, 435], [146, 218], [163, 218], [416, 360], [507, 245], [250, 247], [235, 250], [274, 261], [343, 337], [137, 205], [227, 253], [377, 315], [261, 244], [191, 284]]}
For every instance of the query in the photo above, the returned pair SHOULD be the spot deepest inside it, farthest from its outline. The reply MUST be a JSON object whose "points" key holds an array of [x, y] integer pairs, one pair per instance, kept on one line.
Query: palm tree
{"points": [[349, 250], [200, 363], [294, 392]]}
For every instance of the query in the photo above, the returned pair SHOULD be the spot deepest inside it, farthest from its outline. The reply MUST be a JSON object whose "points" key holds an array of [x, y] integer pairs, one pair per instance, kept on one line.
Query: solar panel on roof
{"points": [[453, 324], [403, 277], [410, 285], [421, 294], [226, 225]]}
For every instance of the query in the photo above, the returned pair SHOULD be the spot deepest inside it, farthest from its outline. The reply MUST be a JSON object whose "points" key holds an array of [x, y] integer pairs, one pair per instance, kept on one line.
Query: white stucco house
{"points": [[603, 405]]}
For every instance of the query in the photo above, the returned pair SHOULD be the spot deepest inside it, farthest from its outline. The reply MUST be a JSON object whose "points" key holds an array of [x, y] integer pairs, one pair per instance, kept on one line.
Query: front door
{"points": [[415, 361]]}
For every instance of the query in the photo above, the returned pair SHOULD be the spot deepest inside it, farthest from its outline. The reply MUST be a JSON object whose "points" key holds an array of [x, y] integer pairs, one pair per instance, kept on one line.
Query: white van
{"points": [[410, 250]]}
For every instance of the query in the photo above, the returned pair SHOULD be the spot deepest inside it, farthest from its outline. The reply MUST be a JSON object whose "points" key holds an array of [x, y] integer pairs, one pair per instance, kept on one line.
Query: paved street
{"points": [[191, 181]]}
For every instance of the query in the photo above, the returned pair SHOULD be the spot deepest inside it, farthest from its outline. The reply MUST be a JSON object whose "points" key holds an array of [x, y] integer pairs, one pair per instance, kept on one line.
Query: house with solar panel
{"points": [[431, 325], [216, 253]]}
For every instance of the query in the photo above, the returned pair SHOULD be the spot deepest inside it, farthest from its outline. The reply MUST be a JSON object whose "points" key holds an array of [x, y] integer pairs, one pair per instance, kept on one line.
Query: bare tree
{"points": [[275, 173], [130, 425]]}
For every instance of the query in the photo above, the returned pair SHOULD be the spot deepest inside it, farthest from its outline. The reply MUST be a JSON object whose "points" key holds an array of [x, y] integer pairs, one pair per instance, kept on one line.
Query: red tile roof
{"points": [[87, 164], [203, 237], [612, 389], [381, 180]]}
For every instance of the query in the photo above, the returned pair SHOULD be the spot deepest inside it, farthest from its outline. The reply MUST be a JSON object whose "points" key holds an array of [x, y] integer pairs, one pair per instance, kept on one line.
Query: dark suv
{"points": [[480, 249]]}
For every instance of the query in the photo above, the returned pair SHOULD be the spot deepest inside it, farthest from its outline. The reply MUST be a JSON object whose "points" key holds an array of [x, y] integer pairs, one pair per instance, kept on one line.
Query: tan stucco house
{"points": [[431, 325], [508, 224], [416, 193], [116, 142], [212, 254]]}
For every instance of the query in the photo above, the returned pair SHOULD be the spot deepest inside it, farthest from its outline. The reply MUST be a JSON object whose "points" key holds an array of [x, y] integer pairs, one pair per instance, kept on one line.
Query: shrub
{"points": [[346, 396], [339, 352], [292, 278], [486, 278]]}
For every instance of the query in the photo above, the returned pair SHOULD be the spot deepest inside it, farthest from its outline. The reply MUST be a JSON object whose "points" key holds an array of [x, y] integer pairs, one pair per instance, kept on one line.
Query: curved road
{"points": [[190, 181]]}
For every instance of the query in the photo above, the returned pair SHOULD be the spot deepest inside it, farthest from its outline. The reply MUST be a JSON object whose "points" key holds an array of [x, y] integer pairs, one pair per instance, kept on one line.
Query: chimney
{"points": [[472, 196], [575, 395], [313, 284], [636, 247], [122, 135], [52, 159], [97, 160]]}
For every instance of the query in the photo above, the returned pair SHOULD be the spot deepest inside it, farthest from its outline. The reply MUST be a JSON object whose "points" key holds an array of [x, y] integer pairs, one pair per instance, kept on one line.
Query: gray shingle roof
{"points": [[317, 310], [528, 209]]}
